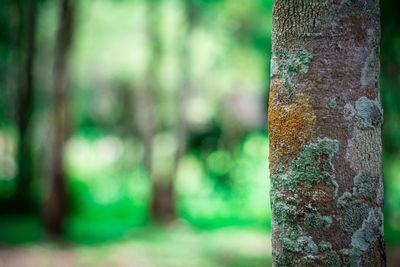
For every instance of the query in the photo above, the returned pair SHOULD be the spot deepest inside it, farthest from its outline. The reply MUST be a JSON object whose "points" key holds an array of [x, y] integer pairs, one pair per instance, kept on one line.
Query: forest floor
{"points": [[175, 245], [154, 246]]}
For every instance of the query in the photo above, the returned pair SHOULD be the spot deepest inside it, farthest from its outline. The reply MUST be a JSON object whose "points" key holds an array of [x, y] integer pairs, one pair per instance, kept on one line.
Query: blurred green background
{"points": [[162, 119]]}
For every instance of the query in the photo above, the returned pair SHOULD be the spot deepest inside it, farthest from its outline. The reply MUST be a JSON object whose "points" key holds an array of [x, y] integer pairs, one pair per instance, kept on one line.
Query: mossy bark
{"points": [[324, 127]]}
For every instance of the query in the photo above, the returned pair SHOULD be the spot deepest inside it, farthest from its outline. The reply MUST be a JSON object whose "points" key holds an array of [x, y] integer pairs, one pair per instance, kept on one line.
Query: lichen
{"points": [[315, 220], [369, 72], [347, 2], [283, 259], [332, 103], [343, 200], [351, 257], [294, 241], [348, 111], [290, 126], [354, 215], [369, 113], [312, 167], [324, 245], [371, 230], [284, 213], [364, 151], [332, 259], [365, 185], [290, 63], [274, 66]]}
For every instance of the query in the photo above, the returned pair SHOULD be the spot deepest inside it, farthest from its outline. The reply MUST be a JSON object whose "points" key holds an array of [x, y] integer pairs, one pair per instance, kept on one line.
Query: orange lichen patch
{"points": [[291, 123]]}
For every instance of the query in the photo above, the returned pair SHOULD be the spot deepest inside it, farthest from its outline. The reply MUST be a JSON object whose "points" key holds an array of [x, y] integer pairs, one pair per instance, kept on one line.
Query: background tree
{"points": [[324, 127], [25, 80], [55, 206], [18, 41]]}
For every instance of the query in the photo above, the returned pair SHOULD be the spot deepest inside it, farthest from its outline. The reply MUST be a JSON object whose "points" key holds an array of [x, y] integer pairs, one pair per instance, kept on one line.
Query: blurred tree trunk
{"points": [[163, 202], [55, 207], [160, 209], [25, 56], [325, 134]]}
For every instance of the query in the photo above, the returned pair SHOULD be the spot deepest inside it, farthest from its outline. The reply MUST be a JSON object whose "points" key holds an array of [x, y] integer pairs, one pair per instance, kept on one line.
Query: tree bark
{"points": [[325, 134], [55, 208]]}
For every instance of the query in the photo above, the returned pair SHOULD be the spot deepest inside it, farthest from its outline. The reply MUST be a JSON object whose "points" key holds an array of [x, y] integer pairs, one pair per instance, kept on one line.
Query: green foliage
{"points": [[203, 201]]}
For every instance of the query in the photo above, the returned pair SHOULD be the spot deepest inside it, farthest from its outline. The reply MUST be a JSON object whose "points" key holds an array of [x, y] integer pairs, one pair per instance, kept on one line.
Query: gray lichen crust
{"points": [[370, 231], [354, 215], [348, 111], [364, 222], [364, 151], [369, 112]]}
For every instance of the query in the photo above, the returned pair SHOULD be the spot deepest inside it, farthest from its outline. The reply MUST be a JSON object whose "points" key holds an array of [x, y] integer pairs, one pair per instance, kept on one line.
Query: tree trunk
{"points": [[325, 134], [25, 48], [55, 208]]}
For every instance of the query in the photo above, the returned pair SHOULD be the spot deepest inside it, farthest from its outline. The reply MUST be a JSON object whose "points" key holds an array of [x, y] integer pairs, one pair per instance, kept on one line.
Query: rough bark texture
{"points": [[55, 207], [325, 134]]}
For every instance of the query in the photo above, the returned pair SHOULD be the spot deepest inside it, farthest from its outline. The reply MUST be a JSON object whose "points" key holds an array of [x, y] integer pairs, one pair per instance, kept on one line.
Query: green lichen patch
{"points": [[284, 213], [365, 185], [290, 63], [343, 200], [283, 259], [332, 259], [275, 197], [371, 230], [315, 164], [312, 167], [354, 215], [332, 103], [347, 2], [324, 245], [351, 257], [294, 241], [315, 220], [369, 113]]}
